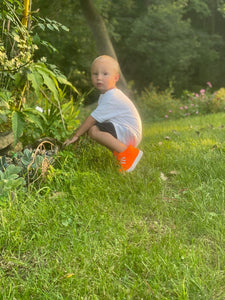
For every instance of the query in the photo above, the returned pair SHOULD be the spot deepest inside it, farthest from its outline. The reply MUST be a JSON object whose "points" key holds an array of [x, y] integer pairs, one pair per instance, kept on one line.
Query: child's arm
{"points": [[84, 127]]}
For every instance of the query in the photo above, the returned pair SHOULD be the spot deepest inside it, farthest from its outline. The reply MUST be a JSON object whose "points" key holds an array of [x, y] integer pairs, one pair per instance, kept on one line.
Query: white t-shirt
{"points": [[115, 107]]}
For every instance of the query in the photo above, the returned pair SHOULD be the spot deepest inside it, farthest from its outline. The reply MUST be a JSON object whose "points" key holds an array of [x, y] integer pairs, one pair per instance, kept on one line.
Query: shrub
{"points": [[157, 105], [153, 103], [218, 100]]}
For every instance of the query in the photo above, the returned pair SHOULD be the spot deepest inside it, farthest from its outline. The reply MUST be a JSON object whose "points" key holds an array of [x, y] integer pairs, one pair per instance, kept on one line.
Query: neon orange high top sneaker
{"points": [[129, 158]]}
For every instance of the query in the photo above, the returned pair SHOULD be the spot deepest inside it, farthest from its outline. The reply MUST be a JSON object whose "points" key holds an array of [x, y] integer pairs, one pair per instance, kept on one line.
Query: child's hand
{"points": [[70, 141]]}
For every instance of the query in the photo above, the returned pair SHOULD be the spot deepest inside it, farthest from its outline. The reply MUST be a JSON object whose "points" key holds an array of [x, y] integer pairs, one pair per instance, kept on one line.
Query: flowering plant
{"points": [[194, 103]]}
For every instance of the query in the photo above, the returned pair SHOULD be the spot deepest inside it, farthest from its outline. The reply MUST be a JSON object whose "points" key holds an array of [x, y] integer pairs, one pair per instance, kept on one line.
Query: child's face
{"points": [[104, 75]]}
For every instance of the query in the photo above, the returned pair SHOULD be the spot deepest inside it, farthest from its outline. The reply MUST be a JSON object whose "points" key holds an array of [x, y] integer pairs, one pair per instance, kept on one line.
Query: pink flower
{"points": [[192, 104], [202, 91], [196, 112], [197, 95], [185, 107], [166, 116], [181, 107], [209, 84], [170, 111]]}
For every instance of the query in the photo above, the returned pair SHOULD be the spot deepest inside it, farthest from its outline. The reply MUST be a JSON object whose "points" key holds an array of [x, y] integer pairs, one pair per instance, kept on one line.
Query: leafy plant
{"points": [[26, 82], [60, 115], [154, 103], [26, 167], [10, 180], [218, 100]]}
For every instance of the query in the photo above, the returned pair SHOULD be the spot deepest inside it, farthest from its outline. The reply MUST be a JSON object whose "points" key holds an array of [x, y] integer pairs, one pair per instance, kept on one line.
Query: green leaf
{"points": [[26, 159], [5, 95], [1, 175], [48, 77], [49, 82], [64, 81], [18, 124], [48, 46], [35, 117], [50, 27], [36, 80], [65, 28], [12, 172], [42, 26], [55, 26]]}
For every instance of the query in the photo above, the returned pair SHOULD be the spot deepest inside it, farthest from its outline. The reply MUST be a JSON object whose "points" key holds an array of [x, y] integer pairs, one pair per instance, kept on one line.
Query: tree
{"points": [[160, 40], [155, 41], [100, 33]]}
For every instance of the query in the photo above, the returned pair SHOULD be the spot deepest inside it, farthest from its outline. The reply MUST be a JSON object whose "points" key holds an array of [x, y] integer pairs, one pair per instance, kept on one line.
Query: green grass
{"points": [[91, 232]]}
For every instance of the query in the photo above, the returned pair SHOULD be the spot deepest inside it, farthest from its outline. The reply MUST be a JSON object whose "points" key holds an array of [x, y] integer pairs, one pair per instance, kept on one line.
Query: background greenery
{"points": [[156, 41]]}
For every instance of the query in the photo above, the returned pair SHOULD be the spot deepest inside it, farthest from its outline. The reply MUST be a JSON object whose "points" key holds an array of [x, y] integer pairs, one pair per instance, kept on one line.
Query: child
{"points": [[115, 123]]}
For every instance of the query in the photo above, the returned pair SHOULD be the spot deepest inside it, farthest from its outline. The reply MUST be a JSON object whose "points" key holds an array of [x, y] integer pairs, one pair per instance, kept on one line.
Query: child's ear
{"points": [[117, 76]]}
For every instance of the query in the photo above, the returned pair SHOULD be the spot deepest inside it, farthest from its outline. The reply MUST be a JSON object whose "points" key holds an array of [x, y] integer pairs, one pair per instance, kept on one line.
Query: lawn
{"points": [[90, 232]]}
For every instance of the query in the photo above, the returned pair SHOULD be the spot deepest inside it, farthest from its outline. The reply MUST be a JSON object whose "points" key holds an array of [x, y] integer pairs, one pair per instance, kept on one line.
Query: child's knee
{"points": [[92, 132]]}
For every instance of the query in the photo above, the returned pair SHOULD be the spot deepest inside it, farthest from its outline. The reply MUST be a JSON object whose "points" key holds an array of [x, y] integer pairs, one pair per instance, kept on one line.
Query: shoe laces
{"points": [[123, 160]]}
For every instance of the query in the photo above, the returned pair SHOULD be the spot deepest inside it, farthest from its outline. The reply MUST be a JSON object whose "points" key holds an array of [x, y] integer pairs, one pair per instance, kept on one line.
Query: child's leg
{"points": [[105, 134], [106, 139]]}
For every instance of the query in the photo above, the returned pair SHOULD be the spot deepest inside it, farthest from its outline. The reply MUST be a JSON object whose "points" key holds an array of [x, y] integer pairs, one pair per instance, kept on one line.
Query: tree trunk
{"points": [[100, 33]]}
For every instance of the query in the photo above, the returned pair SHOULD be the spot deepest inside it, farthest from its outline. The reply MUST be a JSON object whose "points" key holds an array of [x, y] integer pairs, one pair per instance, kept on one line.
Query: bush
{"points": [[218, 101], [157, 105], [154, 104]]}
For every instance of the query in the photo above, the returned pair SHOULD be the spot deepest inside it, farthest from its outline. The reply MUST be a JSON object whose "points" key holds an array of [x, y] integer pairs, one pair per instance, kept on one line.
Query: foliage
{"points": [[27, 167], [10, 180], [75, 48], [218, 101], [182, 41], [60, 114], [165, 42], [153, 103], [116, 236], [156, 105], [26, 82]]}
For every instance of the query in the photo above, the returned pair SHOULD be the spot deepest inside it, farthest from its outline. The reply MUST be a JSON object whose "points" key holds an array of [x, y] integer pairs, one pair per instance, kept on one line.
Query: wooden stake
{"points": [[25, 12]]}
